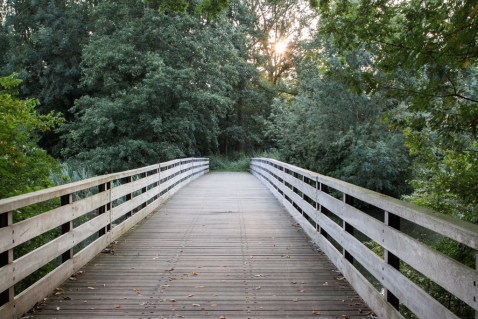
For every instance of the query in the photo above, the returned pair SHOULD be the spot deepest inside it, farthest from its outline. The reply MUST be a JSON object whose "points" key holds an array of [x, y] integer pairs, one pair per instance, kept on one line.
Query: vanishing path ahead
{"points": [[222, 246]]}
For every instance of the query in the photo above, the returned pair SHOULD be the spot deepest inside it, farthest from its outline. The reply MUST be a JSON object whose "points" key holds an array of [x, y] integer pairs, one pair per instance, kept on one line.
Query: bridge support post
{"points": [[394, 222], [6, 258], [66, 227], [348, 228], [103, 209]]}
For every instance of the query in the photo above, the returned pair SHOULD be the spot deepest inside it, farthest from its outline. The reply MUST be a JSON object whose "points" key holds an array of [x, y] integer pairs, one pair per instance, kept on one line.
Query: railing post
{"points": [[66, 227], [394, 222], [348, 228], [6, 258], [103, 209], [322, 188], [476, 283], [317, 205], [143, 190], [128, 179]]}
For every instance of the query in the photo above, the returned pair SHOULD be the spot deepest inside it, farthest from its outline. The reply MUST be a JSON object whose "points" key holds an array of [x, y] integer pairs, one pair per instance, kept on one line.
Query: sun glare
{"points": [[280, 47]]}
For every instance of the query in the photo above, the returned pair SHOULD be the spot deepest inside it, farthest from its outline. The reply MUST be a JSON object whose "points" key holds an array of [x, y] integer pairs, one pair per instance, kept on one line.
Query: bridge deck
{"points": [[222, 246]]}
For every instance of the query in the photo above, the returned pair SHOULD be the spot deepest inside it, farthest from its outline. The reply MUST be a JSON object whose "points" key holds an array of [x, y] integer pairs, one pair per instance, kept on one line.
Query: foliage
{"points": [[327, 129], [159, 83], [235, 162], [24, 166], [45, 40], [423, 54]]}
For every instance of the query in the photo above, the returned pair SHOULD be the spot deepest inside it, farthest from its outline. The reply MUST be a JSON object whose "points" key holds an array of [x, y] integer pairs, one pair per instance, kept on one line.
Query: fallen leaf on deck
{"points": [[180, 316], [198, 266], [316, 312], [57, 308], [194, 273], [258, 288], [190, 295], [325, 284], [222, 317], [91, 288], [295, 300], [117, 306], [137, 290], [202, 309], [172, 300], [196, 305]]}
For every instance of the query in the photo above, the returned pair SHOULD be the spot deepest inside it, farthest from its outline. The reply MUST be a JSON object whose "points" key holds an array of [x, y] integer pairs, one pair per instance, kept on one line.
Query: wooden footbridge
{"points": [[224, 246]]}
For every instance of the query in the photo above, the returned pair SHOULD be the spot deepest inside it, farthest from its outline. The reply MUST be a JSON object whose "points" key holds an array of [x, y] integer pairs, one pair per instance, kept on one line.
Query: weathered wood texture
{"points": [[121, 200], [222, 246], [306, 196]]}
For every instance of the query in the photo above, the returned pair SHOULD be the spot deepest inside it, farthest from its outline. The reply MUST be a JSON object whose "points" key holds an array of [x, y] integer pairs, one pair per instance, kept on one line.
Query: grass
{"points": [[232, 163], [236, 162]]}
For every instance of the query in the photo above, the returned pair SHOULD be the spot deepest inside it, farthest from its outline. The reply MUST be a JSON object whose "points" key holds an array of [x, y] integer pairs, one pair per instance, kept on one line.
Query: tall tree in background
{"points": [[425, 54], [45, 40], [159, 81], [328, 129], [267, 36]]}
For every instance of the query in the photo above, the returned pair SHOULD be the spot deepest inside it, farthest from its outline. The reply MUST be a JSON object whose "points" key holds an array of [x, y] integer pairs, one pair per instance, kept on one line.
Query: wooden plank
{"points": [[25, 230], [133, 172], [127, 206], [170, 172], [166, 164], [129, 188], [24, 301], [450, 274], [16, 202], [461, 231], [415, 298], [360, 283], [126, 225], [25, 265], [253, 263]]}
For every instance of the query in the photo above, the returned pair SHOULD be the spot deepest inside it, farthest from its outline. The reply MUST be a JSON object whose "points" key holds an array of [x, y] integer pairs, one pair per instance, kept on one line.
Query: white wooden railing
{"points": [[112, 205], [306, 195]]}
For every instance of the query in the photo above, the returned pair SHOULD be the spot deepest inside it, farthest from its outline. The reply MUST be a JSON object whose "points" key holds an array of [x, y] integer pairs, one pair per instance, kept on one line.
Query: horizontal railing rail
{"points": [[90, 214], [312, 199]]}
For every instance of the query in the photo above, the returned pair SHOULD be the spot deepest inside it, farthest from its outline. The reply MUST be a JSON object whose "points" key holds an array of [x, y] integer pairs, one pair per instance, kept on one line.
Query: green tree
{"points": [[159, 82], [327, 129], [45, 40], [24, 166], [424, 55]]}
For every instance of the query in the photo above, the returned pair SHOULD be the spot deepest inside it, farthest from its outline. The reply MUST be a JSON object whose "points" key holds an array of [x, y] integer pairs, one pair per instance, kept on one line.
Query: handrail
{"points": [[305, 195], [118, 202]]}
